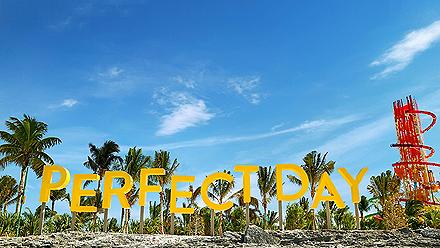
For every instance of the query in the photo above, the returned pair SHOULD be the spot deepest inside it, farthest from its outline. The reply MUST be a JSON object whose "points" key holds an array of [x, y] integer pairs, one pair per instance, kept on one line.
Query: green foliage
{"points": [[364, 206], [8, 224], [113, 225], [384, 186], [162, 160], [25, 145], [267, 187], [314, 165], [152, 226], [236, 220], [414, 211], [298, 217], [58, 223], [29, 223], [370, 223], [344, 219], [8, 192], [432, 217]]}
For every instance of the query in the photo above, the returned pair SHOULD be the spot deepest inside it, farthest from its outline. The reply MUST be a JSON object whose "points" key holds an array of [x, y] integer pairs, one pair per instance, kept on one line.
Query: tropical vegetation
{"points": [[25, 145]]}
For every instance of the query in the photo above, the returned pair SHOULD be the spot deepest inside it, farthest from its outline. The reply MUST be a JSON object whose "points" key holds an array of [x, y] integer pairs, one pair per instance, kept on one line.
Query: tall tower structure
{"points": [[413, 169]]}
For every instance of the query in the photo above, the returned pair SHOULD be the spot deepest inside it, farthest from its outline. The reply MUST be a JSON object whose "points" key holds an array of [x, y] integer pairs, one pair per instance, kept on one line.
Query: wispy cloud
{"points": [[246, 87], [66, 103], [187, 82], [403, 52], [277, 126], [210, 141], [114, 81], [61, 25], [184, 111], [111, 72], [358, 136], [184, 116], [69, 103]]}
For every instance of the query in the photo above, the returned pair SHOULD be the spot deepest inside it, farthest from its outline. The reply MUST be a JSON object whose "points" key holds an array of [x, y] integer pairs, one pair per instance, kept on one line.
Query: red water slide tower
{"points": [[418, 180]]}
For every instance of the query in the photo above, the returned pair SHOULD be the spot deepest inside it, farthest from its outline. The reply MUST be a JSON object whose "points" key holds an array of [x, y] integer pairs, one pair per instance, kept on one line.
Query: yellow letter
{"points": [[46, 182], [77, 192], [205, 186], [326, 182], [302, 176], [180, 194], [246, 170], [119, 192], [353, 183], [144, 187]]}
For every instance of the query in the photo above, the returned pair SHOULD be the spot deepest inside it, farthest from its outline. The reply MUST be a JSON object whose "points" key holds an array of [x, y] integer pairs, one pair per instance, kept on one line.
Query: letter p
{"points": [[46, 183]]}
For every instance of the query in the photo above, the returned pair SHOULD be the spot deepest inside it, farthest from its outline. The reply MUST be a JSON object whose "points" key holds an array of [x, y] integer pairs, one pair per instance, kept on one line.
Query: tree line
{"points": [[25, 144]]}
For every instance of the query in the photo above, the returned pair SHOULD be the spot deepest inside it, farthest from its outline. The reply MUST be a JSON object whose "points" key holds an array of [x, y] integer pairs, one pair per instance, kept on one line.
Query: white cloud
{"points": [[69, 103], [110, 73], [188, 82], [246, 87], [184, 116], [277, 126], [217, 140], [183, 111], [66, 103], [403, 52]]}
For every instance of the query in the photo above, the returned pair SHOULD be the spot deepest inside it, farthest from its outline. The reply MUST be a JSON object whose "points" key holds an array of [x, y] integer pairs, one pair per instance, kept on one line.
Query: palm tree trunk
{"points": [[220, 228], [247, 215], [190, 224], [161, 212], [53, 205], [212, 222], [72, 223], [41, 220], [141, 220], [280, 215], [172, 224], [265, 215], [21, 189], [122, 216], [196, 223], [95, 215], [327, 213], [313, 220], [105, 220], [127, 219]]}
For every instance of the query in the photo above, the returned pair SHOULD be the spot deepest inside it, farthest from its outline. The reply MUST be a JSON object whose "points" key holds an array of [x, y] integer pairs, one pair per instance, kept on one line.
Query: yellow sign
{"points": [[78, 191]]}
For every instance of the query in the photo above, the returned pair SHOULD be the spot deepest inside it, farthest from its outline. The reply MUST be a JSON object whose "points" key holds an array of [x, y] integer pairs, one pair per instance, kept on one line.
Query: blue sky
{"points": [[220, 83]]}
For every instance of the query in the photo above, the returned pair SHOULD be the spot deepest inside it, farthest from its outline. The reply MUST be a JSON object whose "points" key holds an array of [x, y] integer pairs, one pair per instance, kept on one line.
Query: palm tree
{"points": [[386, 185], [414, 210], [100, 161], [315, 165], [219, 191], [162, 160], [253, 212], [133, 163], [267, 187], [343, 218], [24, 146], [57, 195], [364, 206], [192, 204], [8, 192], [272, 219]]}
